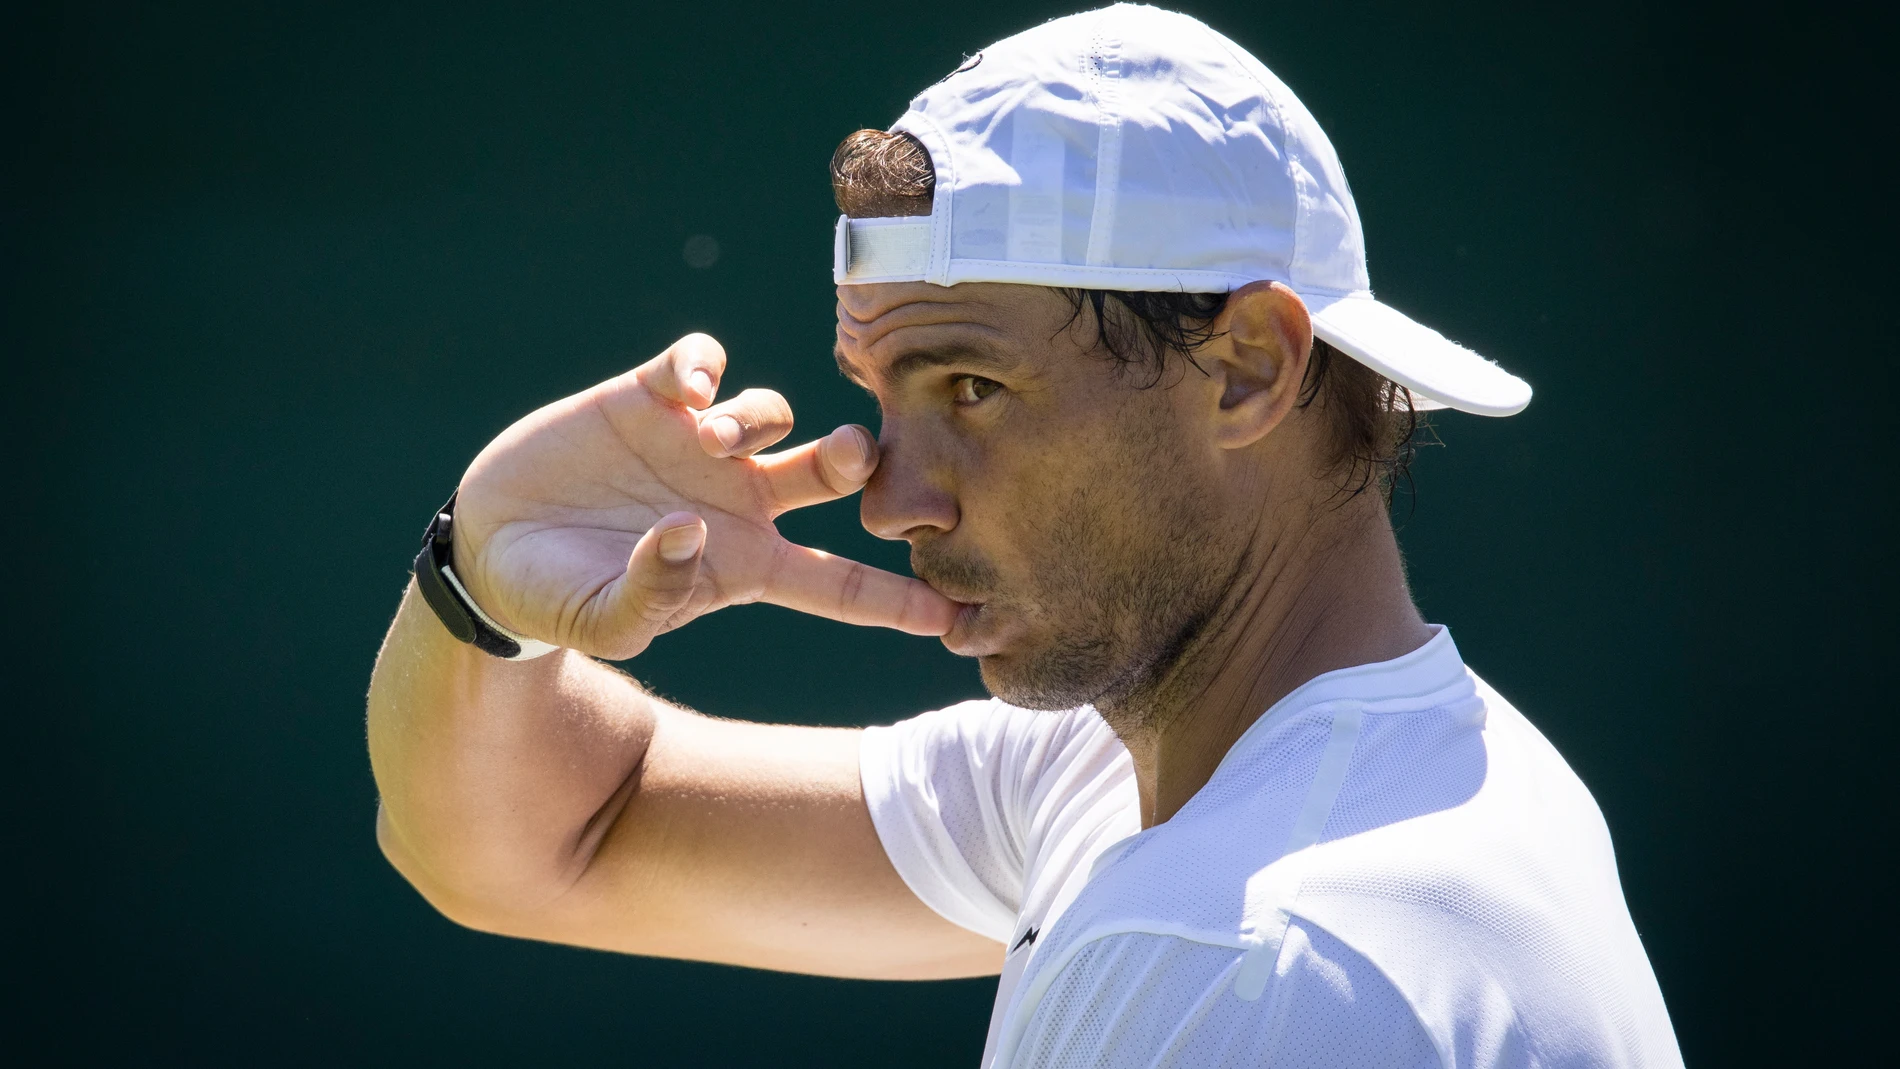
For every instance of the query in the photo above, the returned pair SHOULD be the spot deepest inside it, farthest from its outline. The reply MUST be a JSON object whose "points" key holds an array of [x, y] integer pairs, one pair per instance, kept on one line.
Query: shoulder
{"points": [[1141, 999], [1450, 846], [1489, 893], [993, 725], [1024, 757], [969, 800]]}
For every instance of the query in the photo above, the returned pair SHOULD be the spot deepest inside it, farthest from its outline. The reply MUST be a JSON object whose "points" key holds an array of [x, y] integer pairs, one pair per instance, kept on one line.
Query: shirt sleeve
{"points": [[1140, 1000], [957, 796]]}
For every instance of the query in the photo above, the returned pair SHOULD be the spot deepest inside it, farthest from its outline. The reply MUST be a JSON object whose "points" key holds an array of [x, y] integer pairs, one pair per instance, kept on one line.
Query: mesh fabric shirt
{"points": [[1391, 867]]}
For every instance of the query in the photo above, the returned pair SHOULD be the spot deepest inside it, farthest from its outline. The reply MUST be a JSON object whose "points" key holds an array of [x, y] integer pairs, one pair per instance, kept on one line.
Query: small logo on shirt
{"points": [[969, 62], [1029, 936]]}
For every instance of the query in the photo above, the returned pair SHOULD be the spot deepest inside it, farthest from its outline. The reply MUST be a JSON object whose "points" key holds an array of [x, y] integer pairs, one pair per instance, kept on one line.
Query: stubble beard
{"points": [[1128, 584], [1124, 615]]}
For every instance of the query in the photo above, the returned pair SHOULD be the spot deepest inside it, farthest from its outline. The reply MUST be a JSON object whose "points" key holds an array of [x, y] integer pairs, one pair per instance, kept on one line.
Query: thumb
{"points": [[662, 572]]}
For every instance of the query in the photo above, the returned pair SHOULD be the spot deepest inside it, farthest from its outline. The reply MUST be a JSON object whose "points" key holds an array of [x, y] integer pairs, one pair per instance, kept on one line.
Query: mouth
{"points": [[967, 600], [961, 595], [981, 630], [980, 624]]}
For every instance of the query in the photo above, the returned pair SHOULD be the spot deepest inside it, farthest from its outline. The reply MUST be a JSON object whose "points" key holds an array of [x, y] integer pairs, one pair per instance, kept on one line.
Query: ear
{"points": [[1259, 361]]}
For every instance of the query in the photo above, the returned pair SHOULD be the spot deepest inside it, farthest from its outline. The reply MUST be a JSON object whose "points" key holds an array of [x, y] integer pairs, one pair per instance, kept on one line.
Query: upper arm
{"points": [[751, 844]]}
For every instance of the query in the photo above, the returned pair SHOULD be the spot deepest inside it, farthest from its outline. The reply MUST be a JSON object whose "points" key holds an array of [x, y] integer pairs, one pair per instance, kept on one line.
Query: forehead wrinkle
{"points": [[909, 347], [869, 302], [869, 333]]}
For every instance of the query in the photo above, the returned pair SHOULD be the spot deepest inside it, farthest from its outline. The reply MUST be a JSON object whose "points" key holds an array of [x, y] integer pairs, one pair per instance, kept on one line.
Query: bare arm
{"points": [[554, 799]]}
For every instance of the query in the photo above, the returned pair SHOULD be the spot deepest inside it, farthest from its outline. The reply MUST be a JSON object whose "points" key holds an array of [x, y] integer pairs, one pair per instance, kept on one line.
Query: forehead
{"points": [[881, 322]]}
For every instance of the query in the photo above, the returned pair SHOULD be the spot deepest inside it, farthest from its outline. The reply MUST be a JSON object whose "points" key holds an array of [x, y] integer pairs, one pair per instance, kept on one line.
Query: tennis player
{"points": [[1234, 802]]}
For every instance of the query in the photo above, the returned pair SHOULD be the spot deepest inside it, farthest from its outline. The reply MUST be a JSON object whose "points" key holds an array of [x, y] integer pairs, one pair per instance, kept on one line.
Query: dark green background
{"points": [[276, 272]]}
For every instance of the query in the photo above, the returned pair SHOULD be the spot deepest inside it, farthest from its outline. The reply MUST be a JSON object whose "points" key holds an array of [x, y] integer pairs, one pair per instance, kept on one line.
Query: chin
{"points": [[1045, 683]]}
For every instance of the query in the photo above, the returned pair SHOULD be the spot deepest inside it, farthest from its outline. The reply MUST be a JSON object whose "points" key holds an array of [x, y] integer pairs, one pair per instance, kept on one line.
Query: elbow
{"points": [[460, 897]]}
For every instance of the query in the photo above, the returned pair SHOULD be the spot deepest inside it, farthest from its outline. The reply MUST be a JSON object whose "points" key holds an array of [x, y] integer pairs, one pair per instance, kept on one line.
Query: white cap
{"points": [[1136, 149]]}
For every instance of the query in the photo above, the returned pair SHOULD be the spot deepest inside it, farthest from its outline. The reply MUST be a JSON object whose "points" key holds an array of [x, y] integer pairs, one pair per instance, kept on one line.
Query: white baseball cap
{"points": [[1133, 148]]}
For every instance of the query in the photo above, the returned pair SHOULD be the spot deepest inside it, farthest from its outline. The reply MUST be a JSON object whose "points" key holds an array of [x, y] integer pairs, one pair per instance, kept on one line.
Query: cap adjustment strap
{"points": [[896, 249]]}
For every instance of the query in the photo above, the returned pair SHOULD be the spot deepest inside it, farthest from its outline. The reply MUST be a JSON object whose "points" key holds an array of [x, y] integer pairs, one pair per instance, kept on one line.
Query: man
{"points": [[1235, 802]]}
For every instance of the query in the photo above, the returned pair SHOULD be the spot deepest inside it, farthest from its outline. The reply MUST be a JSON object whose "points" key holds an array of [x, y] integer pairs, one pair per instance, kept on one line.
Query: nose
{"points": [[907, 496]]}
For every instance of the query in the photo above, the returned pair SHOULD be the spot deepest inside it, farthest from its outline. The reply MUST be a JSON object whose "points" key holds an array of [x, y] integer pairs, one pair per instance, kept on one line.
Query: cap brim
{"points": [[1439, 372]]}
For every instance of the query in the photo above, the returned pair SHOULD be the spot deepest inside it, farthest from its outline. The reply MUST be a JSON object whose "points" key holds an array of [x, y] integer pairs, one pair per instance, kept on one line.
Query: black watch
{"points": [[458, 612]]}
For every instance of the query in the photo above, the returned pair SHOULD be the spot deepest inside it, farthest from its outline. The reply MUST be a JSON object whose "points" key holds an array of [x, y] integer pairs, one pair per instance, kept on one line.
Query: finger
{"points": [[662, 572], [816, 582], [820, 471], [687, 372], [746, 424]]}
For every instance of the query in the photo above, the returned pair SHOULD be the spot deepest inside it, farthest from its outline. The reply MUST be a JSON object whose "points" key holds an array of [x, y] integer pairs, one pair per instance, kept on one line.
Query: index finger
{"points": [[825, 470], [813, 581]]}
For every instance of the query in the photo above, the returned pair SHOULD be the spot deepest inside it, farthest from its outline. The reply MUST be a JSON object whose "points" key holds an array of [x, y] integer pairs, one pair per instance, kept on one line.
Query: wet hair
{"points": [[1375, 430]]}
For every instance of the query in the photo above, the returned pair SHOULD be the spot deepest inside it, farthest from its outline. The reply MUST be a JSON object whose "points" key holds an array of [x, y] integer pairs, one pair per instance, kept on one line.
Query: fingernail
{"points": [[727, 430], [852, 460], [702, 384], [678, 545]]}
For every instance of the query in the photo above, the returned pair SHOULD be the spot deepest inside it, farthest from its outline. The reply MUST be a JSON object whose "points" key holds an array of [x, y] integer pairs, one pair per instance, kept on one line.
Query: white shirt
{"points": [[1391, 867]]}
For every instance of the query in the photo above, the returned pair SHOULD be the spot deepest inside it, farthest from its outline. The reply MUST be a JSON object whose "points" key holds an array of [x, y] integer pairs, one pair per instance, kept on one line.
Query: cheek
{"points": [[1001, 495], [1148, 479], [1048, 496], [1074, 505]]}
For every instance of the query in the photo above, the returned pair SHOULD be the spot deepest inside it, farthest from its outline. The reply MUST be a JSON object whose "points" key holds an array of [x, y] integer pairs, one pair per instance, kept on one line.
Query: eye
{"points": [[969, 389]]}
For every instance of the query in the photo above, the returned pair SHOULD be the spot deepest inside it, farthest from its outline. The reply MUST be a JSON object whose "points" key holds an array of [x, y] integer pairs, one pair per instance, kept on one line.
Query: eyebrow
{"points": [[911, 361]]}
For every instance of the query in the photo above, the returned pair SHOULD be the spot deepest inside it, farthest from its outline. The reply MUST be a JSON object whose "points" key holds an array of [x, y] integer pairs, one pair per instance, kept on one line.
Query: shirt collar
{"points": [[1426, 672]]}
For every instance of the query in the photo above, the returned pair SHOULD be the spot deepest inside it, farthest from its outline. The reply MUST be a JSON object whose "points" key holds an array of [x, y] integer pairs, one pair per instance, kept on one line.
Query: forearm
{"points": [[554, 799], [497, 777]]}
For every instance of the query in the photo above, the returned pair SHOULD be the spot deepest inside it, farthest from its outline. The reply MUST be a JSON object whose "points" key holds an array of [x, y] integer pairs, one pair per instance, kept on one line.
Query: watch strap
{"points": [[450, 600]]}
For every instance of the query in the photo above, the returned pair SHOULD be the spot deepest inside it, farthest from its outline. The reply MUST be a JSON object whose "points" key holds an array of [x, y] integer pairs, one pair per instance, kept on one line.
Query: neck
{"points": [[1320, 594]]}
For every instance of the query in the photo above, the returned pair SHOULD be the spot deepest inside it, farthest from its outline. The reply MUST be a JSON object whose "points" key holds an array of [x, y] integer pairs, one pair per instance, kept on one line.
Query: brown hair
{"points": [[1375, 429]]}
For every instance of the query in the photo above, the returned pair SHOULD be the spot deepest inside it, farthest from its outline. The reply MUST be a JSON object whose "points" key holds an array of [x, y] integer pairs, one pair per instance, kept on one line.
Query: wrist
{"points": [[464, 618]]}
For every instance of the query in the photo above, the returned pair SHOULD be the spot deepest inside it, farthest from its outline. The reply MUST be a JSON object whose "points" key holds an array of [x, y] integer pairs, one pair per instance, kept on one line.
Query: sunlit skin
{"points": [[1176, 553], [1061, 507]]}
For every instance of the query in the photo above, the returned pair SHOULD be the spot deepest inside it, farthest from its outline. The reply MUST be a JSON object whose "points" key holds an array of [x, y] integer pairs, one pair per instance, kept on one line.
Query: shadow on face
{"points": [[1076, 510]]}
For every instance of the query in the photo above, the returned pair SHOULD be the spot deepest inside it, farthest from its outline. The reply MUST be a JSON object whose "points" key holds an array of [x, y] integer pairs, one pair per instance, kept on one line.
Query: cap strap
{"points": [[880, 250]]}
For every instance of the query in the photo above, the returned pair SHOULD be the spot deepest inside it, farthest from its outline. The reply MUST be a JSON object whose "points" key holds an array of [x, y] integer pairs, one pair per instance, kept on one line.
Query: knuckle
{"points": [[661, 597], [655, 370], [765, 406], [654, 612], [851, 588], [701, 350], [915, 609]]}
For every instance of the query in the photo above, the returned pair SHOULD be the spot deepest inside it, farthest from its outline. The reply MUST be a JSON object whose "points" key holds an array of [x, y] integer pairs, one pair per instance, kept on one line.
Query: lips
{"points": [[955, 593], [962, 637], [980, 630], [977, 631]]}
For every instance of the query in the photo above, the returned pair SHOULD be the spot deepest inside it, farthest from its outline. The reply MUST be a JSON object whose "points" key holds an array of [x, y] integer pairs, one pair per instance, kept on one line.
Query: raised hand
{"points": [[626, 510]]}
